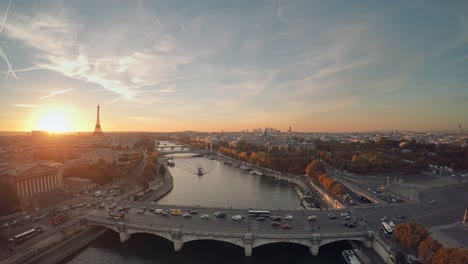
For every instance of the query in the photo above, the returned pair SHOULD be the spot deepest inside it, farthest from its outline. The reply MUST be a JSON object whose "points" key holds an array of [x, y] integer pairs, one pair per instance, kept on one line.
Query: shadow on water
{"points": [[146, 248]]}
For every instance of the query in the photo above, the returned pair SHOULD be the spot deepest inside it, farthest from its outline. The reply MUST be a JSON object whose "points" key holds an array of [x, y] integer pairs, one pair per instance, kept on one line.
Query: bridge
{"points": [[246, 233]]}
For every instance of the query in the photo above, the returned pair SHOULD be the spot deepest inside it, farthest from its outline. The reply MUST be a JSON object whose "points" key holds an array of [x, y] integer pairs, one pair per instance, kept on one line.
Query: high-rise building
{"points": [[97, 128]]}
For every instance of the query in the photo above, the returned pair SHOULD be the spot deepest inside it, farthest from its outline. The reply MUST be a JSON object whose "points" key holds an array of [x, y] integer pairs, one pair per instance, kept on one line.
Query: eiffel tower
{"points": [[97, 128]]}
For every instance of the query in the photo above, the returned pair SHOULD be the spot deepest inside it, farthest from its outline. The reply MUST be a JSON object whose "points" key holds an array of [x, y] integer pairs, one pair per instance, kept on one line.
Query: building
{"points": [[32, 179], [77, 183]]}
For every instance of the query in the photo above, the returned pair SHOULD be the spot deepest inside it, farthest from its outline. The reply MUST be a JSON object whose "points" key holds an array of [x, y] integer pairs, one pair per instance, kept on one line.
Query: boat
{"points": [[252, 172], [245, 167], [200, 171], [259, 173], [349, 257]]}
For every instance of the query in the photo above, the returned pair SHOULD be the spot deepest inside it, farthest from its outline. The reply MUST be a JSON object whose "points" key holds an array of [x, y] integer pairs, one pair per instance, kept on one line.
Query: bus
{"points": [[59, 218], [258, 213], [27, 234], [386, 228]]}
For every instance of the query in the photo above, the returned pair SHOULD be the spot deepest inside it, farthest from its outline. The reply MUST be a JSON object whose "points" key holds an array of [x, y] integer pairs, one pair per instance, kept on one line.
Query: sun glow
{"points": [[55, 119]]}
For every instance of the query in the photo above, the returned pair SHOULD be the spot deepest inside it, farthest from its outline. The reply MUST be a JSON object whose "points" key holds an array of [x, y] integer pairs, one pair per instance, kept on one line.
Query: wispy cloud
{"points": [[2, 53], [24, 105], [279, 13], [54, 93]]}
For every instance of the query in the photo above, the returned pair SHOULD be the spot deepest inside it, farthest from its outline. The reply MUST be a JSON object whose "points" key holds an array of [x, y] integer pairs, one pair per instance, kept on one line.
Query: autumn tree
{"points": [[315, 168], [427, 249], [450, 256], [410, 235]]}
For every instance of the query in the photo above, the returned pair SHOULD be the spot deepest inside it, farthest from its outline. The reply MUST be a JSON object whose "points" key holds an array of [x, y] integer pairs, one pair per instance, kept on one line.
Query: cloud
{"points": [[54, 93], [2, 53], [24, 105], [279, 13], [146, 119]]}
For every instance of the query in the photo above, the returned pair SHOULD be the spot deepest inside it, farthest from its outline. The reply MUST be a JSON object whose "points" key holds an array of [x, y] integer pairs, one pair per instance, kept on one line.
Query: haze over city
{"points": [[217, 65]]}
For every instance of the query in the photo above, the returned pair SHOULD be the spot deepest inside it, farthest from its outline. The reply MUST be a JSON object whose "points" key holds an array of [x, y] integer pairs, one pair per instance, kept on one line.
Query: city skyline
{"points": [[212, 66]]}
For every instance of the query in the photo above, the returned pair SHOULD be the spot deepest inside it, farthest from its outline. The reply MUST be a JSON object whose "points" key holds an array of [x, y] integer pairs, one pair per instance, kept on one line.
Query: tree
{"points": [[410, 235], [314, 168], [450, 256], [427, 249]]}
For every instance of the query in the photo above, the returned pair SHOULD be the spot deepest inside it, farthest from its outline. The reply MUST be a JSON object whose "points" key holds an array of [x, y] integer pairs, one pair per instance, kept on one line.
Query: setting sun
{"points": [[55, 122], [55, 119]]}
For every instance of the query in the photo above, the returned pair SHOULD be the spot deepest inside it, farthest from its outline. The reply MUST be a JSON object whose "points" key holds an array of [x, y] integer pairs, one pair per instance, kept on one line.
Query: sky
{"points": [[335, 66]]}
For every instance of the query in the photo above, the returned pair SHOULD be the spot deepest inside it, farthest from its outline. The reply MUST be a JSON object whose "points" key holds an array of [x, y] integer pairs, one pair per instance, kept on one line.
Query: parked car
{"points": [[285, 226], [311, 218], [261, 218], [347, 217], [158, 211], [186, 215]]}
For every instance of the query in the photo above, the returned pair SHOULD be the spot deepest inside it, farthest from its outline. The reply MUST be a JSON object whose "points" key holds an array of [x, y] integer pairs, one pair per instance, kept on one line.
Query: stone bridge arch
{"points": [[366, 238], [158, 234], [261, 242], [234, 241]]}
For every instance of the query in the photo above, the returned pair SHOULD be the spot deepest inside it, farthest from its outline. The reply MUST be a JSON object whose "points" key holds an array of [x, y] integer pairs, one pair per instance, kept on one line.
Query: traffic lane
{"points": [[196, 223]]}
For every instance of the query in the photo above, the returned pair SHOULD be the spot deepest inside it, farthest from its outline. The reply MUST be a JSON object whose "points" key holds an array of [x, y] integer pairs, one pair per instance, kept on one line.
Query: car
{"points": [[237, 217], [288, 217], [36, 218], [26, 217], [285, 226], [205, 216], [332, 217], [165, 214], [344, 214], [311, 218], [383, 219], [140, 212], [432, 202], [151, 209], [275, 223], [186, 215], [351, 225], [193, 212], [261, 218], [5, 225], [401, 217], [175, 212], [158, 211], [347, 217], [220, 215], [276, 218], [330, 214]]}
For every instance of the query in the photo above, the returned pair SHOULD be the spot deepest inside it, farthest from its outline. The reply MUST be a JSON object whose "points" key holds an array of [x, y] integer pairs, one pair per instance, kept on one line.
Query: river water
{"points": [[221, 186]]}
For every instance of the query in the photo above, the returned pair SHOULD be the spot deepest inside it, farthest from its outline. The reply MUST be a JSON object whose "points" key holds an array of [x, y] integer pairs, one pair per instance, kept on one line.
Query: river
{"points": [[221, 185]]}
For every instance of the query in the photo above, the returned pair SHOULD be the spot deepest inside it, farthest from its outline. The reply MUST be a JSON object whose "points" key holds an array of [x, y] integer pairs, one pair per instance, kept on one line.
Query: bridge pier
{"points": [[248, 245], [124, 237], [370, 239], [314, 249], [177, 240]]}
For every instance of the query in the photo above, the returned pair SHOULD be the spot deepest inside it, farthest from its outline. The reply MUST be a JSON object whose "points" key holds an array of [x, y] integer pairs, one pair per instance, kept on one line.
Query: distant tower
{"points": [[97, 128], [459, 129]]}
